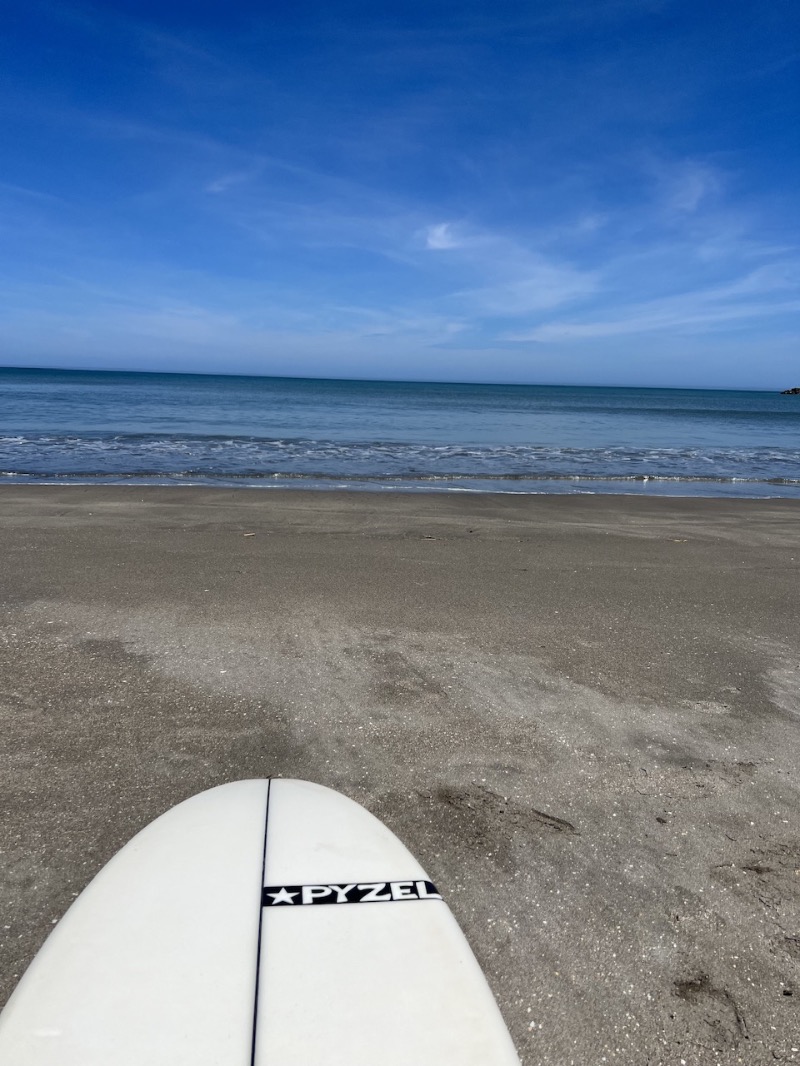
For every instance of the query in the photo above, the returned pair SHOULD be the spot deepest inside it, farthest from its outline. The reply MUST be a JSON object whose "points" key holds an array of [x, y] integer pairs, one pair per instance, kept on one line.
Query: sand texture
{"points": [[581, 713]]}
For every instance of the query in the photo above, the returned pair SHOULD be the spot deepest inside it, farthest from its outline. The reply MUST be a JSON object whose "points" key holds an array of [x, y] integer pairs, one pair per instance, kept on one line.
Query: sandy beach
{"points": [[581, 713]]}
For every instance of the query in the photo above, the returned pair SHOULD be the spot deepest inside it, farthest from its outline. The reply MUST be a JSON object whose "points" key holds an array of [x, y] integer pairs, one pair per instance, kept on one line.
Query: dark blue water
{"points": [[74, 426]]}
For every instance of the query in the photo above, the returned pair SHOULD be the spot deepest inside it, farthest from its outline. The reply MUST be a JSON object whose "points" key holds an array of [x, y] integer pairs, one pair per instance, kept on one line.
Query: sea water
{"points": [[161, 429]]}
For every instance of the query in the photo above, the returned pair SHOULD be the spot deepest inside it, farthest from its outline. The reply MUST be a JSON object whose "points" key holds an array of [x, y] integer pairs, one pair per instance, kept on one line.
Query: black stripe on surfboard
{"points": [[365, 892], [260, 925]]}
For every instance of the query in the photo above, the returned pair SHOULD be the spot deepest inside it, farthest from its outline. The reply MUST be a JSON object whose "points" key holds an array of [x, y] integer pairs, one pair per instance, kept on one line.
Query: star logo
{"points": [[284, 896]]}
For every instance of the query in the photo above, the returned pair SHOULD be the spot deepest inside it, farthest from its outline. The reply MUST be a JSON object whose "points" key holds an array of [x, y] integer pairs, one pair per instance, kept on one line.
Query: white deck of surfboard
{"points": [[258, 924]]}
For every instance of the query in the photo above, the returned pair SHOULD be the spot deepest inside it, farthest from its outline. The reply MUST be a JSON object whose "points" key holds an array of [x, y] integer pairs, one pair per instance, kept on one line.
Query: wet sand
{"points": [[581, 713]]}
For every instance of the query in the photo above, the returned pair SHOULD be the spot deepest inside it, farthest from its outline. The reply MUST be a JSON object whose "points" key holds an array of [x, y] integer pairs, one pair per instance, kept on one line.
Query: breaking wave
{"points": [[306, 462]]}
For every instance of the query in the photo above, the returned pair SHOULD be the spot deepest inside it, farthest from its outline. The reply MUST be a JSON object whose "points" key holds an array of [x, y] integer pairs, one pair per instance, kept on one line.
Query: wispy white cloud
{"points": [[589, 222], [430, 326], [442, 237], [513, 278], [758, 294], [29, 194], [683, 186], [228, 181], [540, 286]]}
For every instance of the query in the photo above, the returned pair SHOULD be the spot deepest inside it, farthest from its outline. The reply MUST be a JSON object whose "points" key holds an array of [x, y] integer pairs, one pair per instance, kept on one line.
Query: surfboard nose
{"points": [[267, 923]]}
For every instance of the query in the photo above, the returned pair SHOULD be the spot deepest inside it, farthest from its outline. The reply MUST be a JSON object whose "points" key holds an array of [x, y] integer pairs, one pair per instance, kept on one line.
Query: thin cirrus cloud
{"points": [[684, 185], [440, 237], [514, 280], [757, 295]]}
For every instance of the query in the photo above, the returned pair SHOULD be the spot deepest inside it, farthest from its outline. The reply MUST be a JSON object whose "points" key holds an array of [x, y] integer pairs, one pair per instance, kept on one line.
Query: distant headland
{"points": [[791, 392]]}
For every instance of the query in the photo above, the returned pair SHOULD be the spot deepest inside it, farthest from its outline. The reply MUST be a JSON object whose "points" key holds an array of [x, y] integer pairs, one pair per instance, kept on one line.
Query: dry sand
{"points": [[581, 713]]}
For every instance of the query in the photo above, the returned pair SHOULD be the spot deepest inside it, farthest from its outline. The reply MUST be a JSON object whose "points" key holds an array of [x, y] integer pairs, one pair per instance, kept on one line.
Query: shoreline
{"points": [[375, 488], [284, 494], [467, 484], [581, 712]]}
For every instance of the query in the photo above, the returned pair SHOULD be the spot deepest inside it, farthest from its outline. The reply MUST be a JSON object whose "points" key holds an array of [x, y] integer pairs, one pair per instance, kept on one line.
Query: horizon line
{"points": [[382, 381]]}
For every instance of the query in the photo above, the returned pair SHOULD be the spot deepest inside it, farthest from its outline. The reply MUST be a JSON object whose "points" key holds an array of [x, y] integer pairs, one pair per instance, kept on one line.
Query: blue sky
{"points": [[575, 191]]}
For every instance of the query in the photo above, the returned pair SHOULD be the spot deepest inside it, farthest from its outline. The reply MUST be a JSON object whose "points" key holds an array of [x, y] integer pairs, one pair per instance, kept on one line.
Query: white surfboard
{"points": [[262, 923]]}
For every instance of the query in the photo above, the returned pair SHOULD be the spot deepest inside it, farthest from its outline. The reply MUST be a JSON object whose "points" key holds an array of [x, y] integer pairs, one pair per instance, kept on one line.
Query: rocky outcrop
{"points": [[791, 392]]}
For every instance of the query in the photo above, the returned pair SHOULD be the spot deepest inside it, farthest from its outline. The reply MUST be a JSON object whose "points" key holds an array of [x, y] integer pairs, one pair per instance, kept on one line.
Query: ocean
{"points": [[61, 427]]}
